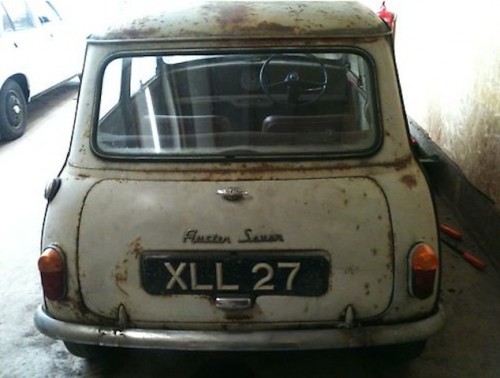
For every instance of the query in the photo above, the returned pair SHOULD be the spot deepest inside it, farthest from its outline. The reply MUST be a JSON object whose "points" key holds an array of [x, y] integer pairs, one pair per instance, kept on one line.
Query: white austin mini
{"points": [[240, 178]]}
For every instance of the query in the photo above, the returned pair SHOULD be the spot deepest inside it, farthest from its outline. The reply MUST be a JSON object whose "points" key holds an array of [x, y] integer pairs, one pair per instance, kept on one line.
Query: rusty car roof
{"points": [[247, 20]]}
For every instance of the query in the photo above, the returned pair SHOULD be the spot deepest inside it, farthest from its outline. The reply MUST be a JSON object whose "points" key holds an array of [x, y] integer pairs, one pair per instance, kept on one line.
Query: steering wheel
{"points": [[300, 84]]}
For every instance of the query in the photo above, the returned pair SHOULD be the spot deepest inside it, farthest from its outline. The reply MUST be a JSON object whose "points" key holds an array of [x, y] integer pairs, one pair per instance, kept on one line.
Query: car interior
{"points": [[237, 105]]}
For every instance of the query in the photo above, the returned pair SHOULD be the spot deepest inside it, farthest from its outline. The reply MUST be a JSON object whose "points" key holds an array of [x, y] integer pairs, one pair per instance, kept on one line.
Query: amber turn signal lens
{"points": [[50, 261], [52, 271], [424, 258], [424, 265]]}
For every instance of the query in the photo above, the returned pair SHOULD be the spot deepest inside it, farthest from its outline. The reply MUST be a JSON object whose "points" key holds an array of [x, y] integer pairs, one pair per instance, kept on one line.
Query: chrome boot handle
{"points": [[232, 193]]}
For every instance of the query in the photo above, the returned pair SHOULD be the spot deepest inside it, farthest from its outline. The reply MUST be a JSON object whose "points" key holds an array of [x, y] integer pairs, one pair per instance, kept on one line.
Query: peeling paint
{"points": [[137, 248], [410, 181], [221, 19]]}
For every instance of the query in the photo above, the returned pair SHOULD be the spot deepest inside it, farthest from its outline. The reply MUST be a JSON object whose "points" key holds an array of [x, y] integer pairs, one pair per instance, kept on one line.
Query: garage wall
{"points": [[448, 54]]}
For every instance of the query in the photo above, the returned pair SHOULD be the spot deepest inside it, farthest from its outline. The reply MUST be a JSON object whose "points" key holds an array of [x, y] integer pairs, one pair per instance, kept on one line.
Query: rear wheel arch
{"points": [[23, 82]]}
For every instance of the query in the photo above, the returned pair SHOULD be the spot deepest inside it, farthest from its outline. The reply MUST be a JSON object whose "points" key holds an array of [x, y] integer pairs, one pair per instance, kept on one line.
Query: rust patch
{"points": [[136, 247], [275, 27], [409, 180], [75, 304], [118, 285], [230, 19], [267, 170], [229, 16], [352, 270], [120, 275], [238, 317], [138, 29], [240, 17], [400, 164]]}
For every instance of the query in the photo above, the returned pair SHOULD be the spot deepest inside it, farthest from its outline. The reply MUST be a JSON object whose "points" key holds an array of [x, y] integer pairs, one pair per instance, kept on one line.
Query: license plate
{"points": [[305, 274]]}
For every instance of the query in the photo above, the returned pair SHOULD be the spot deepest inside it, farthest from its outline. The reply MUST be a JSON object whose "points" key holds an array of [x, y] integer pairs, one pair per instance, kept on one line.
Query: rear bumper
{"points": [[240, 341]]}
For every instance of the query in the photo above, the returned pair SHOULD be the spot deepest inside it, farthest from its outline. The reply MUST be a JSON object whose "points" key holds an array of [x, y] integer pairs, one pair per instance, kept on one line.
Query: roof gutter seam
{"points": [[235, 38]]}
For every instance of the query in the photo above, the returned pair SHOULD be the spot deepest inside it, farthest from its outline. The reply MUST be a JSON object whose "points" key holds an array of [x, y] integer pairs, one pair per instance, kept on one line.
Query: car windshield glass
{"points": [[237, 105]]}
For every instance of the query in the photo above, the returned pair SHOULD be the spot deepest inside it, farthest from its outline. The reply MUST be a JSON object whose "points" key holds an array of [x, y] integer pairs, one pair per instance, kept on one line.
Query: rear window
{"points": [[251, 105]]}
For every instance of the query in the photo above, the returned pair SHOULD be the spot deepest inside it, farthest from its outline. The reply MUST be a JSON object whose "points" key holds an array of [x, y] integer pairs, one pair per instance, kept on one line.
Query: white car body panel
{"points": [[303, 215]]}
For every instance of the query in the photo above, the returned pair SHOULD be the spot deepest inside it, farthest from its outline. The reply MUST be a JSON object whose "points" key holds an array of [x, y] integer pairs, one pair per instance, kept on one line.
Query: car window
{"points": [[6, 23], [111, 84], [45, 11], [19, 14], [52, 12], [238, 106], [142, 71]]}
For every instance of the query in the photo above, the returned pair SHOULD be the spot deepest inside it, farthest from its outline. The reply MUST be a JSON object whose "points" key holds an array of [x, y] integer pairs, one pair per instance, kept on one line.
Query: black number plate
{"points": [[256, 274]]}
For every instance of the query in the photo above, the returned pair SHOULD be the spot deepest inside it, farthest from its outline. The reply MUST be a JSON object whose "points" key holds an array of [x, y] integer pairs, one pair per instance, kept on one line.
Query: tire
{"points": [[13, 111], [90, 352]]}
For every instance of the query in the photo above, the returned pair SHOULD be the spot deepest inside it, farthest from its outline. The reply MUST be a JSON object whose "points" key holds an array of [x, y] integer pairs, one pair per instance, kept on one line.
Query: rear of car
{"points": [[242, 183]]}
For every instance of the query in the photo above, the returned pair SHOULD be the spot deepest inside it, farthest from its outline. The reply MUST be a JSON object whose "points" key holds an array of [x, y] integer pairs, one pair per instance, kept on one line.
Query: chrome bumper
{"points": [[240, 341]]}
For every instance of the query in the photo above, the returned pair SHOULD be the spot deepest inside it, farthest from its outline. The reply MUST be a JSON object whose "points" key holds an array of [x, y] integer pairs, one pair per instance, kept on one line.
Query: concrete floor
{"points": [[466, 347]]}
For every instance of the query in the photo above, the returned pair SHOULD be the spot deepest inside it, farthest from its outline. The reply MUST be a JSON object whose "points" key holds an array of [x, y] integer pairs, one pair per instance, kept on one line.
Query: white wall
{"points": [[448, 53]]}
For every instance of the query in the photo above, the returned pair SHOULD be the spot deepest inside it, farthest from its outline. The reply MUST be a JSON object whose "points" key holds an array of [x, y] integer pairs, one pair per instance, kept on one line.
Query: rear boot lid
{"points": [[298, 250]]}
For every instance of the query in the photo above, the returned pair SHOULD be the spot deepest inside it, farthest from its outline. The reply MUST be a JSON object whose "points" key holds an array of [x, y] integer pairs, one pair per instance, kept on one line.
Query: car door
{"points": [[30, 54], [63, 50], [8, 49]]}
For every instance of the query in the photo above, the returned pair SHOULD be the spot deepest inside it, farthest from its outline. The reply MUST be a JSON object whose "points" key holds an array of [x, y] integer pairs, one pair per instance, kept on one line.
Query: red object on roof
{"points": [[386, 15]]}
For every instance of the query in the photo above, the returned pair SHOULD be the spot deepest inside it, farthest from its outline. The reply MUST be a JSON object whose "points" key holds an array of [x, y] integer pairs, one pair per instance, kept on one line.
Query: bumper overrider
{"points": [[240, 341]]}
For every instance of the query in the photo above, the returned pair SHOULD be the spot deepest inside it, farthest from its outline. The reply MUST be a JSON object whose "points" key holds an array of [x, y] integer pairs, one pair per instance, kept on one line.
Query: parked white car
{"points": [[39, 51], [241, 178]]}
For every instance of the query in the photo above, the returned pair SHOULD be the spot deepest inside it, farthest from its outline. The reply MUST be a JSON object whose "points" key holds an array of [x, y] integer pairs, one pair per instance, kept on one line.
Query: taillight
{"points": [[51, 265], [424, 266]]}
